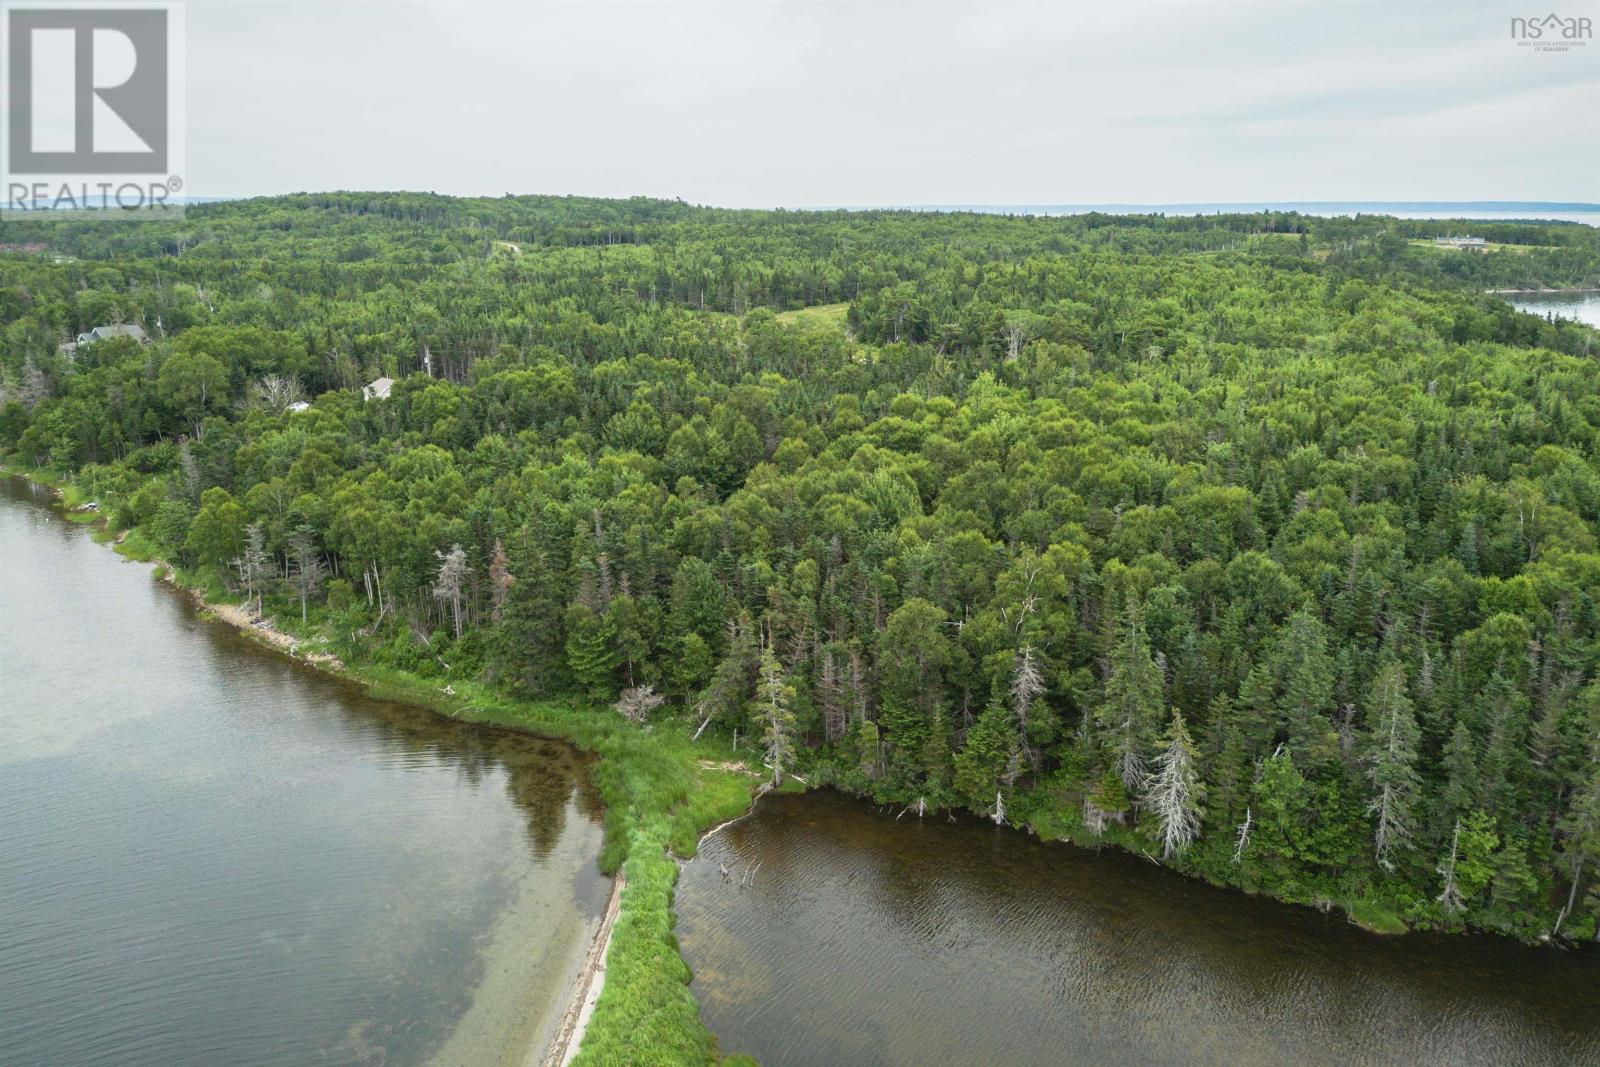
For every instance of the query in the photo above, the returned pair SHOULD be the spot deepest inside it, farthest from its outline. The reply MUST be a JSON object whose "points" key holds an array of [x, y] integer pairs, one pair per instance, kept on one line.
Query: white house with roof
{"points": [[378, 389]]}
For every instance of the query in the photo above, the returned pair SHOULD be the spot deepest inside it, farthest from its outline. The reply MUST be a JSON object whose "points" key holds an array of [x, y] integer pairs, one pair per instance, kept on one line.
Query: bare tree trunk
{"points": [[1572, 897]]}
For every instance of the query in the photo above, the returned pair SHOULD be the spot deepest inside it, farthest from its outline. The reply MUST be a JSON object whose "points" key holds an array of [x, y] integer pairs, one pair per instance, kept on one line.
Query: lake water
{"points": [[1584, 307], [212, 855], [862, 939]]}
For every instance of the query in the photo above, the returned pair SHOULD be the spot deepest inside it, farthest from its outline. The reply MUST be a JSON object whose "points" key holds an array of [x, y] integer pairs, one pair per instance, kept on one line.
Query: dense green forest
{"points": [[1266, 544]]}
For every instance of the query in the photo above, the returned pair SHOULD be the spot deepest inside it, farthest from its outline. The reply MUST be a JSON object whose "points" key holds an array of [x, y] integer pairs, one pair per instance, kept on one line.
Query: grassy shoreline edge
{"points": [[660, 794]]}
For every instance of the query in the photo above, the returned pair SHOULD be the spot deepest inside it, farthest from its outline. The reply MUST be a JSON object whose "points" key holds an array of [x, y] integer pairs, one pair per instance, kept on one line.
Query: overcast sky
{"points": [[873, 102]]}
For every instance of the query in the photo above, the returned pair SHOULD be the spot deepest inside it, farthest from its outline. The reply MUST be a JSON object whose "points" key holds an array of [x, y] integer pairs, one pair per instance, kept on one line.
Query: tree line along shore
{"points": [[1262, 544]]}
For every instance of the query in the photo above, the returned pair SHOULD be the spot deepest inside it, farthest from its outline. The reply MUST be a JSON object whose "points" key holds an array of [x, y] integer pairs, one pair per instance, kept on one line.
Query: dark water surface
{"points": [[212, 855], [865, 940]]}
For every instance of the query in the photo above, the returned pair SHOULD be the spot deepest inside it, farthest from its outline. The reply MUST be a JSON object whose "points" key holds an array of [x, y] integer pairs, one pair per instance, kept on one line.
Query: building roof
{"points": [[299, 405], [377, 389], [101, 333]]}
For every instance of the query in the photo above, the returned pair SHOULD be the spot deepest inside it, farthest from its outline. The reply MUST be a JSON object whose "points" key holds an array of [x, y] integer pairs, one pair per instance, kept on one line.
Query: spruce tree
{"points": [[525, 646], [592, 656], [1128, 716], [1230, 765], [1305, 673], [1461, 792], [774, 711], [990, 746], [1391, 758]]}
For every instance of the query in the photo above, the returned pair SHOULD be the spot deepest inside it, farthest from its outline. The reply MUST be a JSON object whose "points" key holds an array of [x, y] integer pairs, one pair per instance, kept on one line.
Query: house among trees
{"points": [[101, 333], [1460, 242], [377, 390]]}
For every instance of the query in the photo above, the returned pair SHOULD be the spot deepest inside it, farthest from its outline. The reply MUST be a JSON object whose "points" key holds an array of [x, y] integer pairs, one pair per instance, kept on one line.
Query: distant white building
{"points": [[1460, 242], [299, 405], [377, 390]]}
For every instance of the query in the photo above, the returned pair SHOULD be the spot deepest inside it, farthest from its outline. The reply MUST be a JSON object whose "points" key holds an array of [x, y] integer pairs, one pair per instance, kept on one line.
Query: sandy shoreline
{"points": [[585, 991], [248, 622]]}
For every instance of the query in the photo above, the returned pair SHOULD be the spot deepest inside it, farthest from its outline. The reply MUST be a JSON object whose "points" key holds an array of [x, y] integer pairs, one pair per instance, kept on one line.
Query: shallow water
{"points": [[210, 854], [863, 939]]}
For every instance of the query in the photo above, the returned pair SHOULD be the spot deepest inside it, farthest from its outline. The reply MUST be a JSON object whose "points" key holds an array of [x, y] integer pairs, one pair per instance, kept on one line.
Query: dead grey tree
{"points": [[309, 572], [1027, 685], [1450, 897], [1242, 842], [636, 703], [276, 392], [451, 584], [252, 565], [1174, 791]]}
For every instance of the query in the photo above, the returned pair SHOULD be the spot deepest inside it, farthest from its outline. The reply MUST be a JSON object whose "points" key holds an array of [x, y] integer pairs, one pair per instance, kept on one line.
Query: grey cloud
{"points": [[807, 104]]}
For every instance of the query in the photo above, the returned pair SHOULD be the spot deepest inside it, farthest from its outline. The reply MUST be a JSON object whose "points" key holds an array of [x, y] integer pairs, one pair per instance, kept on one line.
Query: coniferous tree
{"points": [[988, 751], [731, 681], [1306, 676], [1580, 829], [775, 697], [592, 655], [1230, 770], [1461, 792], [1391, 757], [1128, 715], [525, 646], [1505, 711], [500, 579], [1027, 686]]}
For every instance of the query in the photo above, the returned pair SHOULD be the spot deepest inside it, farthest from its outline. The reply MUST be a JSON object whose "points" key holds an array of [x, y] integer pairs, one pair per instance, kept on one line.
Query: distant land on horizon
{"points": [[1196, 207], [1372, 207], [1431, 208]]}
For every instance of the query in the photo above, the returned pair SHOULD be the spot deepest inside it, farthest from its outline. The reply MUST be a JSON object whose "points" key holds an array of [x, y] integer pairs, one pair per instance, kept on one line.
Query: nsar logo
{"points": [[1552, 33]]}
